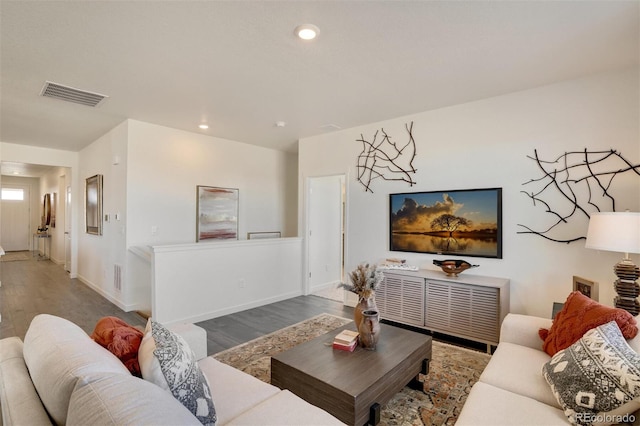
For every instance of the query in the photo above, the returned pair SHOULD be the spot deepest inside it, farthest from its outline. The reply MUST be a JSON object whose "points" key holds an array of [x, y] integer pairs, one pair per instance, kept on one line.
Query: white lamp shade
{"points": [[614, 231]]}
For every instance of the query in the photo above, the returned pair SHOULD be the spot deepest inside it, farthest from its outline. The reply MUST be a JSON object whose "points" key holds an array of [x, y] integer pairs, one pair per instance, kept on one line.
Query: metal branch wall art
{"points": [[385, 159], [576, 182]]}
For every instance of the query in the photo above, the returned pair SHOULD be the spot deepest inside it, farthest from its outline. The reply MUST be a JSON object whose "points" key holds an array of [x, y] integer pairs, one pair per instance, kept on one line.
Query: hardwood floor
{"points": [[231, 330], [33, 287]]}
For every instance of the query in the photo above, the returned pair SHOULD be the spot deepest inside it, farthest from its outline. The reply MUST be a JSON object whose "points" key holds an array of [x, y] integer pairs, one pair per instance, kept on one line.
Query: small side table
{"points": [[46, 245]]}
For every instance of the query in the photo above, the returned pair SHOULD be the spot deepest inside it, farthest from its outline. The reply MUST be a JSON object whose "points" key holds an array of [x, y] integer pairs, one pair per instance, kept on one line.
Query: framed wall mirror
{"points": [[45, 220], [93, 205]]}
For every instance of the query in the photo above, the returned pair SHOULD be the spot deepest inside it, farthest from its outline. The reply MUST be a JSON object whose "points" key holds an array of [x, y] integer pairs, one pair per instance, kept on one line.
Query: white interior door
{"points": [[67, 230], [16, 228], [325, 231]]}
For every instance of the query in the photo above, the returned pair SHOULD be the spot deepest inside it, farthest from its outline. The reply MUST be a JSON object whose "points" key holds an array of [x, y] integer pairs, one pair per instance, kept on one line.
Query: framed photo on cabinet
{"points": [[587, 287]]}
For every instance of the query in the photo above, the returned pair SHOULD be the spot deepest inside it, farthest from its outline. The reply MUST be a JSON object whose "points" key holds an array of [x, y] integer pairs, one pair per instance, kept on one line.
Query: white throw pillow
{"points": [[166, 360], [597, 379], [116, 399]]}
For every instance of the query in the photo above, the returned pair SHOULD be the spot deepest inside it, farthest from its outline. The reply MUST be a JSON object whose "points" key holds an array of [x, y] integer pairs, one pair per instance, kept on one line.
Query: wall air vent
{"points": [[70, 94]]}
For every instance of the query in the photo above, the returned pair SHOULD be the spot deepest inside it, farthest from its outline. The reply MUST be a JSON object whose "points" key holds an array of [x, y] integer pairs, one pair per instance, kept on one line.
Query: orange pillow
{"points": [[120, 339], [579, 315]]}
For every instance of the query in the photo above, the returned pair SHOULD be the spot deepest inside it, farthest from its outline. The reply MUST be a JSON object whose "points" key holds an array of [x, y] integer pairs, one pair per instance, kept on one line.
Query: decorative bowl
{"points": [[453, 267]]}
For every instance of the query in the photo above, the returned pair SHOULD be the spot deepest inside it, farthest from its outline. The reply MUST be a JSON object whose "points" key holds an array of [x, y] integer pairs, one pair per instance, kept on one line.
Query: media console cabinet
{"points": [[467, 306]]}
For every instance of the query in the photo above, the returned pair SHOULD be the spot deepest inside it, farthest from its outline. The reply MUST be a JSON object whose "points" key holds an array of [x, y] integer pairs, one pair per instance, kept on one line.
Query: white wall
{"points": [[485, 144], [99, 253], [165, 166], [196, 282], [150, 174]]}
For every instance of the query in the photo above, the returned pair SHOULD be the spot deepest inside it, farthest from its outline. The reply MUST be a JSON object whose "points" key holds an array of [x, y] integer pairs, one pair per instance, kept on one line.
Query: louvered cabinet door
{"points": [[401, 298], [463, 310]]}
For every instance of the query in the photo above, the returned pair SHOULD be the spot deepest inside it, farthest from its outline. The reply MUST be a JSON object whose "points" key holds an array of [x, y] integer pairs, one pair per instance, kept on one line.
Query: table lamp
{"points": [[619, 231]]}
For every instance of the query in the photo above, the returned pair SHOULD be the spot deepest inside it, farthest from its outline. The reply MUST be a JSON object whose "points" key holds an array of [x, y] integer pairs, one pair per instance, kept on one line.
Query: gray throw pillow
{"points": [[597, 379], [166, 360]]}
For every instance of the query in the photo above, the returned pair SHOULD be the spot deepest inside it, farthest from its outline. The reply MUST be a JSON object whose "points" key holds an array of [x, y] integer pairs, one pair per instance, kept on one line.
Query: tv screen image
{"points": [[457, 222]]}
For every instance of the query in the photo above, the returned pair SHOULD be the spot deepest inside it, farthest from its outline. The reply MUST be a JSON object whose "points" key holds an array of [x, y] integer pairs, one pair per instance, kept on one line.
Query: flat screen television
{"points": [[458, 222]]}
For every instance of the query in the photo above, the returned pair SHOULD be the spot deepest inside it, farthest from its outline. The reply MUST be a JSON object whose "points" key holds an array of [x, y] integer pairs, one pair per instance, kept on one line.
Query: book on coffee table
{"points": [[346, 337], [346, 340], [346, 347]]}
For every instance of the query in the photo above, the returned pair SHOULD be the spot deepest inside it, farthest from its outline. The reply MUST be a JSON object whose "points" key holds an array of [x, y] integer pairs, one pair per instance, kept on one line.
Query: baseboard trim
{"points": [[238, 308], [109, 297], [326, 286]]}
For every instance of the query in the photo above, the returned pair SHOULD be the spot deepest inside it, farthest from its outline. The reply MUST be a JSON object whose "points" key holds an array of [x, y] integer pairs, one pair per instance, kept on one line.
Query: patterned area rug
{"points": [[453, 370], [14, 256]]}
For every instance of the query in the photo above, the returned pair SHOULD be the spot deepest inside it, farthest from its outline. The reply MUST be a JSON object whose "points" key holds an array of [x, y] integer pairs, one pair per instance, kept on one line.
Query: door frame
{"points": [[68, 206], [344, 208]]}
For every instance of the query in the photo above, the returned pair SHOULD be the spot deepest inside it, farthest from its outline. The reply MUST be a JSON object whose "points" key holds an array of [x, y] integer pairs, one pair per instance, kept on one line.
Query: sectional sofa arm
{"points": [[195, 336], [523, 330], [19, 399]]}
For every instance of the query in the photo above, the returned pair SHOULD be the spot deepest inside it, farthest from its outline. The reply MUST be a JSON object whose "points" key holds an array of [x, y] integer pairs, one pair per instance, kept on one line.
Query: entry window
{"points": [[12, 194]]}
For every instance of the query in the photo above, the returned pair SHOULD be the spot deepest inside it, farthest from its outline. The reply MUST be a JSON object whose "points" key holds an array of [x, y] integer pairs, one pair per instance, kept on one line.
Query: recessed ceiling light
{"points": [[280, 124], [204, 126], [307, 31]]}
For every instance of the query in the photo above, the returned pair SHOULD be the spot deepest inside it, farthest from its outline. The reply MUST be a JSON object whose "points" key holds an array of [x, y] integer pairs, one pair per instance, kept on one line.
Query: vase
{"points": [[364, 304], [369, 330]]}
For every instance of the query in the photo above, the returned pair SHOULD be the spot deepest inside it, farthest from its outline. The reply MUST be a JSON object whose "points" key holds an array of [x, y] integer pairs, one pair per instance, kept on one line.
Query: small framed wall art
{"points": [[587, 287], [217, 213], [93, 205], [263, 235]]}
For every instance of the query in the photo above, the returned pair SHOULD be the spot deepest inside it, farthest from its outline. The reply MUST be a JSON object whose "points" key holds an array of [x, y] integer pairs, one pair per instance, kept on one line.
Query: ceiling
{"points": [[237, 65], [10, 168]]}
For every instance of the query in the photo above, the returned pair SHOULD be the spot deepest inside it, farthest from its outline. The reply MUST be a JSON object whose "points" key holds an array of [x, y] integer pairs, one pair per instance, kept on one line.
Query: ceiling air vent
{"points": [[70, 94]]}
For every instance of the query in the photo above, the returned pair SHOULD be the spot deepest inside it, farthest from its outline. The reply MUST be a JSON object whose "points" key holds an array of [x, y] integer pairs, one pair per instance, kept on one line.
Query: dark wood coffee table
{"points": [[352, 385]]}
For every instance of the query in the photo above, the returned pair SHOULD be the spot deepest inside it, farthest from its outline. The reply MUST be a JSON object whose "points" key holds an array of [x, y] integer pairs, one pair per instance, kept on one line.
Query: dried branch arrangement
{"points": [[384, 159], [365, 280], [571, 177]]}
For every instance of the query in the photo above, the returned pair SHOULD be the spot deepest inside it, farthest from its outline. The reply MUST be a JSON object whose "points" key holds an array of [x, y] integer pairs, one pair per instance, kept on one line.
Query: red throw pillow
{"points": [[120, 339], [579, 315]]}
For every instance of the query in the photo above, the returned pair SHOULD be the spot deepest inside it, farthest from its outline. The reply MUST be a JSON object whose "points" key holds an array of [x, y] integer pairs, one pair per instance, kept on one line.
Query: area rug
{"points": [[452, 372], [14, 256]]}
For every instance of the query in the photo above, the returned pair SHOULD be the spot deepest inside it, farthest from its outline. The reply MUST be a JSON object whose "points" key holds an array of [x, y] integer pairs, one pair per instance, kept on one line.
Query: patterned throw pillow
{"points": [[597, 379], [166, 360], [579, 315]]}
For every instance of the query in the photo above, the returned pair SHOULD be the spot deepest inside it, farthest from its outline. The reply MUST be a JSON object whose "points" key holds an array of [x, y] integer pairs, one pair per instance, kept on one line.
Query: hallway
{"points": [[32, 286]]}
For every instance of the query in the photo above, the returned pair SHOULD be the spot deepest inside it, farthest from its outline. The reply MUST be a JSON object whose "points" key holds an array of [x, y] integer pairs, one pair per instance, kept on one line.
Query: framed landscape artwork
{"points": [[457, 222], [217, 213]]}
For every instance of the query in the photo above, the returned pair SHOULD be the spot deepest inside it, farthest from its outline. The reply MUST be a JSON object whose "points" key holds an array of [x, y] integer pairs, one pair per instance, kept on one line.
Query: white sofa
{"points": [[512, 389], [58, 375]]}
